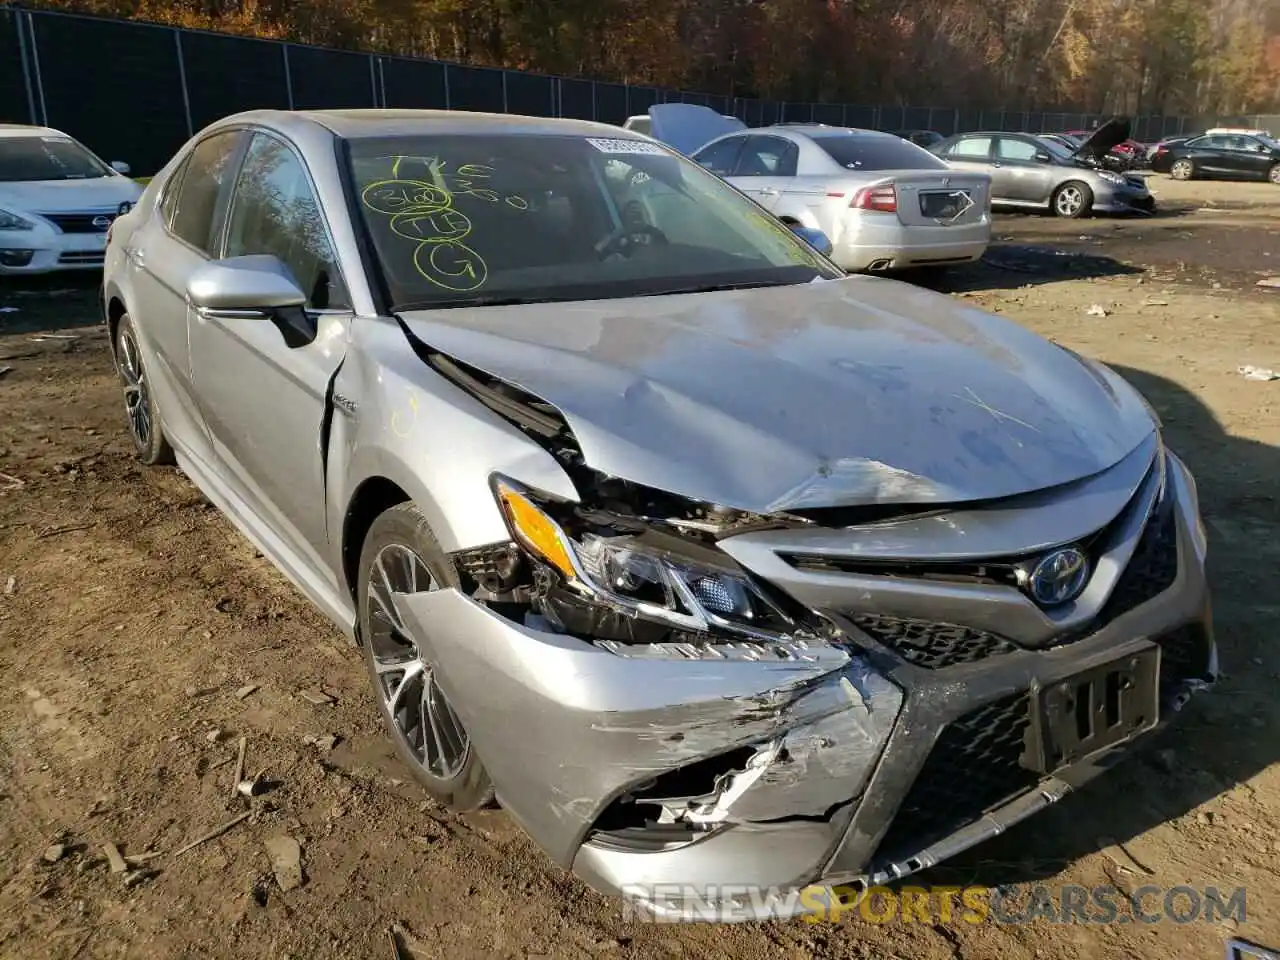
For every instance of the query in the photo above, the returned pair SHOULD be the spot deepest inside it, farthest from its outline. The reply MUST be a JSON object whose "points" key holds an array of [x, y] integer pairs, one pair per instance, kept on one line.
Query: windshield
{"points": [[526, 218], [870, 152], [1056, 149], [47, 158]]}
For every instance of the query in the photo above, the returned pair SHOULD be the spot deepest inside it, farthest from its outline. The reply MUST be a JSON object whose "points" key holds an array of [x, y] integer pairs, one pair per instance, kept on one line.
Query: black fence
{"points": [[136, 91]]}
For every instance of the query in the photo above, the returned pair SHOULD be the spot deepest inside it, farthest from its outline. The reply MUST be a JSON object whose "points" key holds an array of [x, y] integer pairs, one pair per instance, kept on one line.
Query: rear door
{"points": [[1020, 175], [162, 255], [974, 154], [1209, 154], [766, 167], [722, 156]]}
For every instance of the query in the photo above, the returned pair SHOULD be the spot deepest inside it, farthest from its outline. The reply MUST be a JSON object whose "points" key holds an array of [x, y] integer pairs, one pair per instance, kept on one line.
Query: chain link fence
{"points": [[136, 91]]}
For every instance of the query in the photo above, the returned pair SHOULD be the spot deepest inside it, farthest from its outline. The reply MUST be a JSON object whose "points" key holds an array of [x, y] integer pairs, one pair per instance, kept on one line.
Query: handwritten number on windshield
{"points": [[424, 213]]}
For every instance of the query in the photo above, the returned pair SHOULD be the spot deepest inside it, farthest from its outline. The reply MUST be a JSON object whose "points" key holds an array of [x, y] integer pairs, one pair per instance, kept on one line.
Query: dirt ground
{"points": [[141, 637]]}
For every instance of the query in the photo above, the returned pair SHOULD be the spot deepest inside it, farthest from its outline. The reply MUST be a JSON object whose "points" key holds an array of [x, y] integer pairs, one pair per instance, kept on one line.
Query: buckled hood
{"points": [[832, 393]]}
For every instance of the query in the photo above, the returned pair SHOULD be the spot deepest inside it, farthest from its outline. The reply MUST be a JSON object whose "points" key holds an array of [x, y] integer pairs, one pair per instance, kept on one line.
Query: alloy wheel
{"points": [[421, 717], [1181, 170], [1069, 201], [1274, 175], [137, 397]]}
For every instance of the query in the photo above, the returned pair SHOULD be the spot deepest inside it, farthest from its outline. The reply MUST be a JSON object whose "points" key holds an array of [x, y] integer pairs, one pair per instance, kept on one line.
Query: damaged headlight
{"points": [[684, 588]]}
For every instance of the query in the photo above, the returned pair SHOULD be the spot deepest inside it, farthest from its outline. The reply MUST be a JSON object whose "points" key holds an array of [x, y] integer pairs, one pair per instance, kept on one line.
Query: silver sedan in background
{"points": [[714, 566], [1050, 173], [883, 202]]}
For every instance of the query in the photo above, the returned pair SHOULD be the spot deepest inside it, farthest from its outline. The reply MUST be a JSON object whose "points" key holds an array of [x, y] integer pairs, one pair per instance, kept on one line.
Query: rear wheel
{"points": [[139, 403], [400, 555], [1274, 174], [1073, 199], [1182, 170]]}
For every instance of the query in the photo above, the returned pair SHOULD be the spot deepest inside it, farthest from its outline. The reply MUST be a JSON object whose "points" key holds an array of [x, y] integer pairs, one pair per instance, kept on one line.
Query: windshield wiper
{"points": [[481, 301], [716, 287]]}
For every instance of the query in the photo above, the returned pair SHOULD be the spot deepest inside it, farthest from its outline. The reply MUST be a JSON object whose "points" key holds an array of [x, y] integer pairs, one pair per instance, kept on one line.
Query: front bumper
{"points": [[46, 249], [1121, 199], [847, 769]]}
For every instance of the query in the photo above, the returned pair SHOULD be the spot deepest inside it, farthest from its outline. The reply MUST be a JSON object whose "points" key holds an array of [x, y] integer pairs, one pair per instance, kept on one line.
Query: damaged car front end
{"points": [[720, 570]]}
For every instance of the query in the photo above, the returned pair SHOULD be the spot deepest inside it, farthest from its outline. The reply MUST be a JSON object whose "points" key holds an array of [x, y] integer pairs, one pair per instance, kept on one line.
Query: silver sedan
{"points": [[1048, 174], [719, 570]]}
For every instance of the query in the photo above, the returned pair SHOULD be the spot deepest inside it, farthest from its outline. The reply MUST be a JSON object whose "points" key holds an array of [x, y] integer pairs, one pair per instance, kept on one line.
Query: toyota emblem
{"points": [[1059, 577]]}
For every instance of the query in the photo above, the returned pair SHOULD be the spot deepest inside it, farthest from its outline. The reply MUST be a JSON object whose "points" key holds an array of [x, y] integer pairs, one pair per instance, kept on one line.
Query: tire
{"points": [[1274, 174], [141, 411], [1183, 169], [1072, 199], [400, 538]]}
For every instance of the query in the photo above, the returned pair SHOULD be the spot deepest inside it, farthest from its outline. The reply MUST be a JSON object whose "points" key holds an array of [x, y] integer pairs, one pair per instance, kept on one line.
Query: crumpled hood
{"points": [[69, 196], [834, 393]]}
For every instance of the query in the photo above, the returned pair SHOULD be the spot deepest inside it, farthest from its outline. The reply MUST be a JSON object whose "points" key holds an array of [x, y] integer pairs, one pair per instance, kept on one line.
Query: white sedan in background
{"points": [[57, 201], [882, 202]]}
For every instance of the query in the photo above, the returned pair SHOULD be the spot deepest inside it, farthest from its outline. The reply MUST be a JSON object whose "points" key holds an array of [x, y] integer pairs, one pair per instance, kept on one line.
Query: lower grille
{"points": [[96, 257], [932, 645], [973, 767], [1184, 655], [80, 222]]}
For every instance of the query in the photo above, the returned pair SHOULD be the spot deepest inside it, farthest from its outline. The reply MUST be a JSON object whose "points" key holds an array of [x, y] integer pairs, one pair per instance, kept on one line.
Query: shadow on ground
{"points": [[1225, 736], [48, 302], [1007, 266]]}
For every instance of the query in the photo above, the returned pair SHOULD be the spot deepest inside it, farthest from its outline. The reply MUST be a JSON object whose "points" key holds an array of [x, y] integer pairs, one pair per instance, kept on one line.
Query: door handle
{"points": [[768, 192]]}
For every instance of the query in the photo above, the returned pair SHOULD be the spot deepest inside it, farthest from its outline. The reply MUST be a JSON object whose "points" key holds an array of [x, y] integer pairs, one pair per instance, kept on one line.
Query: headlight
{"points": [[688, 591], [1110, 177], [11, 221]]}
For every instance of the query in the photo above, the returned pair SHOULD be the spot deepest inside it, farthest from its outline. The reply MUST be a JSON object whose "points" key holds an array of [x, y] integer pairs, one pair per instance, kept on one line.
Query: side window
{"points": [[1009, 149], [1217, 142], [274, 210], [197, 196], [169, 202], [977, 148], [767, 157], [721, 156]]}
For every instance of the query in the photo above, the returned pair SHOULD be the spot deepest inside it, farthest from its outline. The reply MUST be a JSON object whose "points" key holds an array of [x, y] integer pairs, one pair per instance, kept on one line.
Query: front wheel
{"points": [[1182, 170], [400, 555], [1073, 199], [139, 402], [1274, 174]]}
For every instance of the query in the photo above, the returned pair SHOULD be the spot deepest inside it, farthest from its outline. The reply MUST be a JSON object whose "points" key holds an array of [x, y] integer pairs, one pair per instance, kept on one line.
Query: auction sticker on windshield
{"points": [[625, 146]]}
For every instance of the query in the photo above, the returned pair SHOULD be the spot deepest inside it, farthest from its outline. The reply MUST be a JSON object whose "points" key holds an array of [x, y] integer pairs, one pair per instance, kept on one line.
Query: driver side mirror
{"points": [[814, 238], [1042, 156], [120, 167], [256, 287]]}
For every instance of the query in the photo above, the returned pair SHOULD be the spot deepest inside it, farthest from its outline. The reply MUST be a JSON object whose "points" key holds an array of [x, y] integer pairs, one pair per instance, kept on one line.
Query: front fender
{"points": [[396, 418]]}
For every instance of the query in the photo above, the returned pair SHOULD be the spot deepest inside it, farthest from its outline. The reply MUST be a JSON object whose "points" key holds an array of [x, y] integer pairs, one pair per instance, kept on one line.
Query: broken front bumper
{"points": [[853, 767]]}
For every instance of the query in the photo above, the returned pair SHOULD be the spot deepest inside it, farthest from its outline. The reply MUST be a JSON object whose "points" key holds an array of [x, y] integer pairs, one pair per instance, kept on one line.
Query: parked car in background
{"points": [[57, 201], [1168, 143], [718, 569], [921, 138], [1037, 172], [1126, 155], [884, 203], [1222, 156]]}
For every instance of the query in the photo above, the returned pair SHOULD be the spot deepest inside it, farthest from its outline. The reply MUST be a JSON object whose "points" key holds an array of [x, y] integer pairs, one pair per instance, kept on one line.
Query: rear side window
{"points": [[169, 202], [767, 157], [207, 171], [978, 148], [860, 152], [721, 156]]}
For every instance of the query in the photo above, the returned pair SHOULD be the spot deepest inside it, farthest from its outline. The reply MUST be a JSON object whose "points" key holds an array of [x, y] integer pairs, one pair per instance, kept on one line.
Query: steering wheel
{"points": [[634, 234]]}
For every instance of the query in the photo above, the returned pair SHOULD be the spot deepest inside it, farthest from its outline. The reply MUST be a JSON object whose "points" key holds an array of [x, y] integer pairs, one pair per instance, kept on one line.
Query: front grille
{"points": [[1150, 571], [79, 222], [932, 645], [973, 767]]}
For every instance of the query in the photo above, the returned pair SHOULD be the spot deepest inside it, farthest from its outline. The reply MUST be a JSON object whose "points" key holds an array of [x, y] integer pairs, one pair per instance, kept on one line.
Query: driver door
{"points": [[1022, 176], [262, 396]]}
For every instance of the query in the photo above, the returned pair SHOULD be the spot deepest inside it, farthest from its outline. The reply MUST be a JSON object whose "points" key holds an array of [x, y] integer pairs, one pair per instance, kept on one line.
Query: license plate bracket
{"points": [[1083, 714], [944, 204]]}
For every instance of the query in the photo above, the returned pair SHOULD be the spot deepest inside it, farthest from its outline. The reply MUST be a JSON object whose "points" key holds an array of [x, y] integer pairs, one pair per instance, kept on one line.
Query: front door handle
{"points": [[768, 192]]}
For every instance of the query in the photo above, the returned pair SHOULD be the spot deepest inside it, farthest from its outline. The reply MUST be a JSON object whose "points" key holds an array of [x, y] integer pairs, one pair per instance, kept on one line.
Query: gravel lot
{"points": [[134, 621]]}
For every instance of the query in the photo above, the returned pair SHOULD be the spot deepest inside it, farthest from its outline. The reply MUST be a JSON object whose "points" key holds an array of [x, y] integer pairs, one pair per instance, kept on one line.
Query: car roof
{"points": [[26, 130], [367, 123]]}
